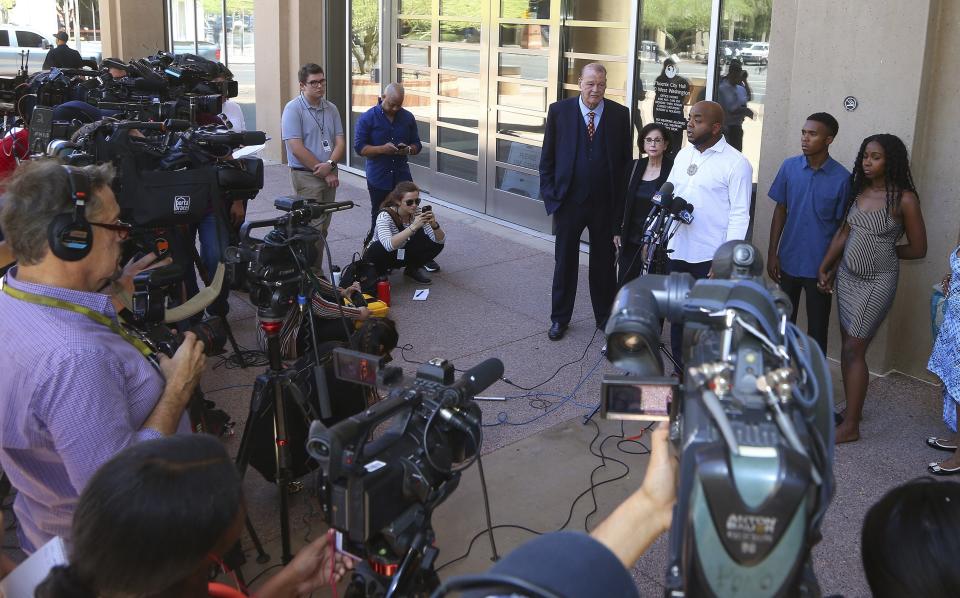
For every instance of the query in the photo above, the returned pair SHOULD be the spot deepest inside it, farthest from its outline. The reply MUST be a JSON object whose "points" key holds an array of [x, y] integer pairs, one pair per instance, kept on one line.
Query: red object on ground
{"points": [[13, 146], [383, 291]]}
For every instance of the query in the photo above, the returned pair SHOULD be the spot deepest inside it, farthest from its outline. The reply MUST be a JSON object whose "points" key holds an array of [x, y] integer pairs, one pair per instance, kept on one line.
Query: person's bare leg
{"points": [[856, 378], [954, 461]]}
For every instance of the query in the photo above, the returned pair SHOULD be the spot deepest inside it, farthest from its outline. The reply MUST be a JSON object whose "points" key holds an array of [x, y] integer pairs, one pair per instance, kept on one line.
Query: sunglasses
{"points": [[412, 202], [122, 229]]}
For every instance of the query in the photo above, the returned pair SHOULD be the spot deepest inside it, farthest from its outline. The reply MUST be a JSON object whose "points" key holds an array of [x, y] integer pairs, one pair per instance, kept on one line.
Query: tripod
{"points": [[413, 576], [269, 391]]}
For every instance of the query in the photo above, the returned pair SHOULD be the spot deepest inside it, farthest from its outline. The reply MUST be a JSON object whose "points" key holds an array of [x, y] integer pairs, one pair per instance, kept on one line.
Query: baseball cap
{"points": [[62, 36]]}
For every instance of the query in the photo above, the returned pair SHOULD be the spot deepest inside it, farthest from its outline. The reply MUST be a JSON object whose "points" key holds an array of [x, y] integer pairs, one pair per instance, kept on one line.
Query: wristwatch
{"points": [[333, 165]]}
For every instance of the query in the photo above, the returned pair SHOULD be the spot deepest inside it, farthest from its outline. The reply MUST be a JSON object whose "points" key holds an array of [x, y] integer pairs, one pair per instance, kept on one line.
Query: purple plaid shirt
{"points": [[73, 394]]}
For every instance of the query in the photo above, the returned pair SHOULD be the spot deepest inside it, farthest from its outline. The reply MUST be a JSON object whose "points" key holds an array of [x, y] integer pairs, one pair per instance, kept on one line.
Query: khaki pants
{"points": [[314, 190]]}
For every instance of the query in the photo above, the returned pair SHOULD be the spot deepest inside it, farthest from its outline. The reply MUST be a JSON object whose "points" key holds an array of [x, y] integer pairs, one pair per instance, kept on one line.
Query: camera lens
{"points": [[630, 342]]}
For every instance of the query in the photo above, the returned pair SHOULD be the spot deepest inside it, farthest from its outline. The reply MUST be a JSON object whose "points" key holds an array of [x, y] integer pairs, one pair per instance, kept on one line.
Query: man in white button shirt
{"points": [[717, 180]]}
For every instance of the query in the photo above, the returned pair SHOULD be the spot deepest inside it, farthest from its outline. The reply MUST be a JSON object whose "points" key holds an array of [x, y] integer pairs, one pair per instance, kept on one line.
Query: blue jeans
{"points": [[213, 242]]}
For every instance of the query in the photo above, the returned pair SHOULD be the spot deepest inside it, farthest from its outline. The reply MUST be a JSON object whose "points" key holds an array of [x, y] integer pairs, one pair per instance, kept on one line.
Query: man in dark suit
{"points": [[584, 166], [63, 56]]}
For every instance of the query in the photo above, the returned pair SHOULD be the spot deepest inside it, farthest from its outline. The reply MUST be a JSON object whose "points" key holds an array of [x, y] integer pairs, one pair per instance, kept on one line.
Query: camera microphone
{"points": [[318, 210], [479, 377], [149, 85], [664, 195]]}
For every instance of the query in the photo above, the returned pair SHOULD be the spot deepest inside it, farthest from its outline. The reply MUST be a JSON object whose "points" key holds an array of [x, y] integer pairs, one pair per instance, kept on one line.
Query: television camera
{"points": [[380, 493], [752, 421]]}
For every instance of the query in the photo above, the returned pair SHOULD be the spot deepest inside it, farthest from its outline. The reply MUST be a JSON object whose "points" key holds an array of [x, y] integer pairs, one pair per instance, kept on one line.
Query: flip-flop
{"points": [[935, 443], [935, 469]]}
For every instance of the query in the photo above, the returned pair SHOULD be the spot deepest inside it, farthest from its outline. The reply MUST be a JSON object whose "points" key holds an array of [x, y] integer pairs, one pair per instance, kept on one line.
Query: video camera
{"points": [[379, 494], [276, 262], [752, 421]]}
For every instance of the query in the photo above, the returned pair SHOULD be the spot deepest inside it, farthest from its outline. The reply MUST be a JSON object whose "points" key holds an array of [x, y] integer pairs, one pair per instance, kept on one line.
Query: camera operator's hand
{"points": [[238, 213], [182, 372], [647, 513], [317, 564]]}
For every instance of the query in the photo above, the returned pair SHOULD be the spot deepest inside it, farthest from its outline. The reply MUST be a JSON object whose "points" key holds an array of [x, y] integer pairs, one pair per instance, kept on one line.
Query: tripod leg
{"points": [[243, 457], [262, 556], [234, 345], [592, 413]]}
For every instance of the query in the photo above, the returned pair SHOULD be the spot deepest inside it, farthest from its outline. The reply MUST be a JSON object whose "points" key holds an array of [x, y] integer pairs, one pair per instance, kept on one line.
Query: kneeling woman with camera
{"points": [[405, 235]]}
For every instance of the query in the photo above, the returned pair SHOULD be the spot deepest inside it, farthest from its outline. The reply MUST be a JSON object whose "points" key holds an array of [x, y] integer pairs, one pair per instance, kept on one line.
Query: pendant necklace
{"points": [[692, 169]]}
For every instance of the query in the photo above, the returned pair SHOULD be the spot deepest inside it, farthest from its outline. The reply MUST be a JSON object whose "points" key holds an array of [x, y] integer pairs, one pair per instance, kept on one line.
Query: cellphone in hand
{"points": [[426, 209]]}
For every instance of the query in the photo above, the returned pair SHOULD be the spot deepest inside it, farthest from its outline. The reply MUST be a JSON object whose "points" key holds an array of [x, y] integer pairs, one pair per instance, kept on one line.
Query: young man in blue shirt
{"points": [[811, 194]]}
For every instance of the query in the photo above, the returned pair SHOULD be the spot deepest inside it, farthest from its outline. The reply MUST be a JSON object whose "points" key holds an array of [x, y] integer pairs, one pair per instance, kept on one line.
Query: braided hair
{"points": [[896, 171]]}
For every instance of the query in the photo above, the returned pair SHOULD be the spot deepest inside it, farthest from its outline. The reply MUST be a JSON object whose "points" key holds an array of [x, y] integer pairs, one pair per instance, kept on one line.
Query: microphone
{"points": [[664, 195], [151, 85], [686, 216], [318, 210], [479, 377]]}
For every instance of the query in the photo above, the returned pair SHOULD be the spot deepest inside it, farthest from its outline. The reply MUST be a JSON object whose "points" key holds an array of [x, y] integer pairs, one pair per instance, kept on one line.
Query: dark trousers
{"points": [[818, 305], [734, 136], [376, 198], [568, 223], [418, 251], [630, 262], [698, 270]]}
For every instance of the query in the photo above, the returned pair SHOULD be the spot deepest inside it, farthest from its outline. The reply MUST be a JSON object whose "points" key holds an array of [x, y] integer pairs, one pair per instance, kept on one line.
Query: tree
{"points": [[5, 7], [365, 36]]}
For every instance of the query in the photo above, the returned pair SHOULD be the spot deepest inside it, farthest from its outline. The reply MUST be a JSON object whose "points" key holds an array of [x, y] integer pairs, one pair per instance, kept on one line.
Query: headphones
{"points": [[70, 235]]}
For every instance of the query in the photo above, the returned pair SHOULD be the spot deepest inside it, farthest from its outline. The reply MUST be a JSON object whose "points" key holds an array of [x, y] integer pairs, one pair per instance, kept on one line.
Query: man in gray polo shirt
{"points": [[313, 133]]}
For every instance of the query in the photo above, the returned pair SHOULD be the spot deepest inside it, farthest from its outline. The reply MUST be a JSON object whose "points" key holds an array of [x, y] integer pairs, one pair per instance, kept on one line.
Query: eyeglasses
{"points": [[412, 202], [653, 140], [316, 82], [120, 227]]}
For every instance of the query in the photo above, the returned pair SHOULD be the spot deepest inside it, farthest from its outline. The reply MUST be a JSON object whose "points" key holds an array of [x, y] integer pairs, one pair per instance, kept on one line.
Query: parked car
{"points": [[755, 54], [204, 49], [14, 39]]}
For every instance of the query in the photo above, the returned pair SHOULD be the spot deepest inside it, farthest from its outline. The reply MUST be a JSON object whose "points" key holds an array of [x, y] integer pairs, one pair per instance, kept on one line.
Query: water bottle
{"points": [[336, 276]]}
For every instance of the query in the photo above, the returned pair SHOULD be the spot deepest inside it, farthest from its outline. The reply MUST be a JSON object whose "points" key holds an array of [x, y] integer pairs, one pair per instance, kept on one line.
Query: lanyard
{"points": [[93, 315]]}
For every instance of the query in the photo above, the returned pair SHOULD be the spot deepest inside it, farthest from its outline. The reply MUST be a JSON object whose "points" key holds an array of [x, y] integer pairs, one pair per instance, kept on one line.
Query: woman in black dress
{"points": [[649, 173]]}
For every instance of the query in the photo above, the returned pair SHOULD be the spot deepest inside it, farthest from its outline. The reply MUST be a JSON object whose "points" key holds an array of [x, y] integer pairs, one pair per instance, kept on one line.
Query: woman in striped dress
{"points": [[883, 205]]}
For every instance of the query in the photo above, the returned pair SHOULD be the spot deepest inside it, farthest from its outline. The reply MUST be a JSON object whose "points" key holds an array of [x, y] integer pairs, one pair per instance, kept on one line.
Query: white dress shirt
{"points": [[586, 110], [720, 193]]}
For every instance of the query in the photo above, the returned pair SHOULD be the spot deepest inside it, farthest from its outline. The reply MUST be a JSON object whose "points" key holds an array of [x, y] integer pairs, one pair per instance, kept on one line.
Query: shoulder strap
{"points": [[393, 216]]}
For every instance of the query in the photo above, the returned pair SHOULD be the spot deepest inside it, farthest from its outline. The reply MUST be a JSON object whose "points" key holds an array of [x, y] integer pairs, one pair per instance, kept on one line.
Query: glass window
{"points": [[414, 7], [4, 38], [459, 86], [616, 71], [457, 166], [603, 10], [597, 40], [417, 29], [364, 63], [520, 125], [418, 104], [460, 60], [518, 154], [742, 88], [460, 31], [525, 9], [423, 130], [460, 8], [672, 69], [421, 159], [521, 183], [29, 39], [456, 113], [525, 66], [461, 141], [528, 37], [521, 96], [238, 42], [418, 55]]}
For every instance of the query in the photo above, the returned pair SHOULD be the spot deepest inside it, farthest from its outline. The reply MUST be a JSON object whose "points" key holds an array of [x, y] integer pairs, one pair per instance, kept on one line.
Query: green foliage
{"points": [[364, 38]]}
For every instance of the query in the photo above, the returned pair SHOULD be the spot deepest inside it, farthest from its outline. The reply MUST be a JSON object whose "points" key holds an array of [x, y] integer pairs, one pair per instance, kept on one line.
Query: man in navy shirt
{"points": [[811, 194], [386, 135]]}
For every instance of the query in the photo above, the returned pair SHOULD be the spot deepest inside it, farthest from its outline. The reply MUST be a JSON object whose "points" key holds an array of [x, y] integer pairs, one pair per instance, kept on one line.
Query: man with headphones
{"points": [[76, 387], [312, 131]]}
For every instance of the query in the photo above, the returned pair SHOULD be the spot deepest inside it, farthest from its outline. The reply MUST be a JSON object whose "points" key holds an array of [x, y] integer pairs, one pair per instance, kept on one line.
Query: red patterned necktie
{"points": [[590, 128]]}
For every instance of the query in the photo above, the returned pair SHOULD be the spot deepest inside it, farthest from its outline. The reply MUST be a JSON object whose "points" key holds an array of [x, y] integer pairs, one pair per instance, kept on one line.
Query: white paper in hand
{"points": [[23, 580], [421, 294]]}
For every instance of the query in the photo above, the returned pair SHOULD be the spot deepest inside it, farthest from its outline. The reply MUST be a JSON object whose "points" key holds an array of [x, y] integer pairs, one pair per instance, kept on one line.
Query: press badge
{"points": [[401, 253], [325, 144]]}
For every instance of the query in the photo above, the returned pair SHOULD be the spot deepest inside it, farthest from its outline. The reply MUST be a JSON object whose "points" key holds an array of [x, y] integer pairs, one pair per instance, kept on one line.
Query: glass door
{"points": [[523, 83]]}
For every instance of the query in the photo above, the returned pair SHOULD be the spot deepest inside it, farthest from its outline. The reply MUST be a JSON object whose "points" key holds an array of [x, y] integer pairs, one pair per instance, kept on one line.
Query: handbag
{"points": [[362, 271]]}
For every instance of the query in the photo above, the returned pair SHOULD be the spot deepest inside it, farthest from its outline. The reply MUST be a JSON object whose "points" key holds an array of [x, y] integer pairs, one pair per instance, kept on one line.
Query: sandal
{"points": [[935, 443], [935, 469]]}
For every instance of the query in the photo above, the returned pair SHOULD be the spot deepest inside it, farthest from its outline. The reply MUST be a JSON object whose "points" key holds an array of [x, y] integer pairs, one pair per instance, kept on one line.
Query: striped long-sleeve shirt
{"points": [[387, 228]]}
